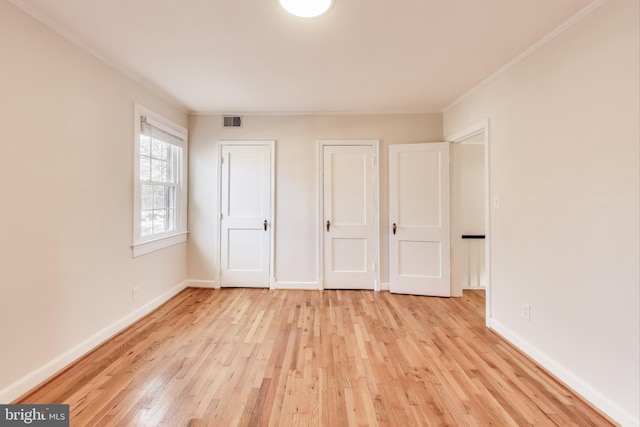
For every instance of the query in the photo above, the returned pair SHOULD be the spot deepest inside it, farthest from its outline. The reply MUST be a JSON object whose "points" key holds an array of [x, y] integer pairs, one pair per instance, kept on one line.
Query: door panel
{"points": [[349, 255], [245, 242], [418, 173], [242, 252], [349, 207], [419, 259]]}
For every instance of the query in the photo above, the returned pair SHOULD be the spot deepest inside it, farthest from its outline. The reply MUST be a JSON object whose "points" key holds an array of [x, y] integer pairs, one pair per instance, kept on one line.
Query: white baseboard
{"points": [[202, 284], [384, 286], [593, 396], [310, 286], [36, 377]]}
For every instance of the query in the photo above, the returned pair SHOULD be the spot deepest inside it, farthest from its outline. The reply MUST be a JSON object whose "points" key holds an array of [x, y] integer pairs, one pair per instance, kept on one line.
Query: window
{"points": [[160, 190]]}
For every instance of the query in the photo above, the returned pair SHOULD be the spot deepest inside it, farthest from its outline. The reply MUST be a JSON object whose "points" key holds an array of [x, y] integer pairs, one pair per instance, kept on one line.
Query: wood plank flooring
{"points": [[254, 357]]}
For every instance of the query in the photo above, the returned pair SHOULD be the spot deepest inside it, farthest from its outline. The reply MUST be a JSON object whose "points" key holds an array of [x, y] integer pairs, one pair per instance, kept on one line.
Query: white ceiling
{"points": [[250, 56]]}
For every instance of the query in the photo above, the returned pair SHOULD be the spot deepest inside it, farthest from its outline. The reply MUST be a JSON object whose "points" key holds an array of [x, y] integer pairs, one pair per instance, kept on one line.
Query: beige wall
{"points": [[66, 123], [564, 151], [296, 182]]}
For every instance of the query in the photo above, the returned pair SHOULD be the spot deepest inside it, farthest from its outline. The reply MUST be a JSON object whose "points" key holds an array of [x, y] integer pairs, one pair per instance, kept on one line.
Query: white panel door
{"points": [[419, 238], [245, 224], [349, 217]]}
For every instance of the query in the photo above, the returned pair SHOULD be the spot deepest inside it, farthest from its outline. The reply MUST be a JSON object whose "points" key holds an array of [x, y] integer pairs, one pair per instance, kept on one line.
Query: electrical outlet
{"points": [[134, 293], [526, 311]]}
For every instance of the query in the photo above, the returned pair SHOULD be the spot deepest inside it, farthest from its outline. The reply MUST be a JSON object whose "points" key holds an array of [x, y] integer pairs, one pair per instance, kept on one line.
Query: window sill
{"points": [[149, 246]]}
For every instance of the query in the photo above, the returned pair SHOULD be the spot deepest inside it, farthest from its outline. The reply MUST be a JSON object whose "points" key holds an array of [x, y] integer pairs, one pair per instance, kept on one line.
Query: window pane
{"points": [[163, 172], [147, 197], [159, 218], [158, 170], [168, 151], [145, 145], [159, 201], [146, 224], [157, 148], [145, 168]]}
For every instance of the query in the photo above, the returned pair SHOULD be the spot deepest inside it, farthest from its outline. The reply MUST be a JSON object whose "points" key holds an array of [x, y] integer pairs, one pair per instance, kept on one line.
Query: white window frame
{"points": [[144, 245]]}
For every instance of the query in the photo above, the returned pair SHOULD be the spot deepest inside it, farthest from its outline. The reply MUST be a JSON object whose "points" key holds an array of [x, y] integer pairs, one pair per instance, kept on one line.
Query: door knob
{"points": [[265, 225], [394, 228], [328, 225]]}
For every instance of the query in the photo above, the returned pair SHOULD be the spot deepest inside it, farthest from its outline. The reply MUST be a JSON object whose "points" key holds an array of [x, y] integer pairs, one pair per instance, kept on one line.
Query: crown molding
{"points": [[586, 11]]}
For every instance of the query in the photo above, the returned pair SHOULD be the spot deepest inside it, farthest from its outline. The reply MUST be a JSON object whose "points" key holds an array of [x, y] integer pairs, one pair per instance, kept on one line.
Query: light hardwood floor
{"points": [[255, 357]]}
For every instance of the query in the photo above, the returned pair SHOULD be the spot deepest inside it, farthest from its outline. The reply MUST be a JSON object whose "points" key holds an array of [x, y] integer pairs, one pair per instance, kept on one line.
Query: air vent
{"points": [[232, 121]]}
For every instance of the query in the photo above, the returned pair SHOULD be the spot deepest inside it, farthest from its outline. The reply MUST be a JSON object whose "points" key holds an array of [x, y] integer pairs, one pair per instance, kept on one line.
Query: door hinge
{"points": [[222, 160], [221, 215]]}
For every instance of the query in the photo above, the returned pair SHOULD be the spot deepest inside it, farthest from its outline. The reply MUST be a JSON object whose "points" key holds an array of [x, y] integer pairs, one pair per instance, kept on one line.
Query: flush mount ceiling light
{"points": [[306, 8]]}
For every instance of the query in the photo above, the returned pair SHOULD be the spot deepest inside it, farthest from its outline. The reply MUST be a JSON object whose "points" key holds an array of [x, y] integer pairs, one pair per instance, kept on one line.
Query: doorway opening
{"points": [[470, 208]]}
